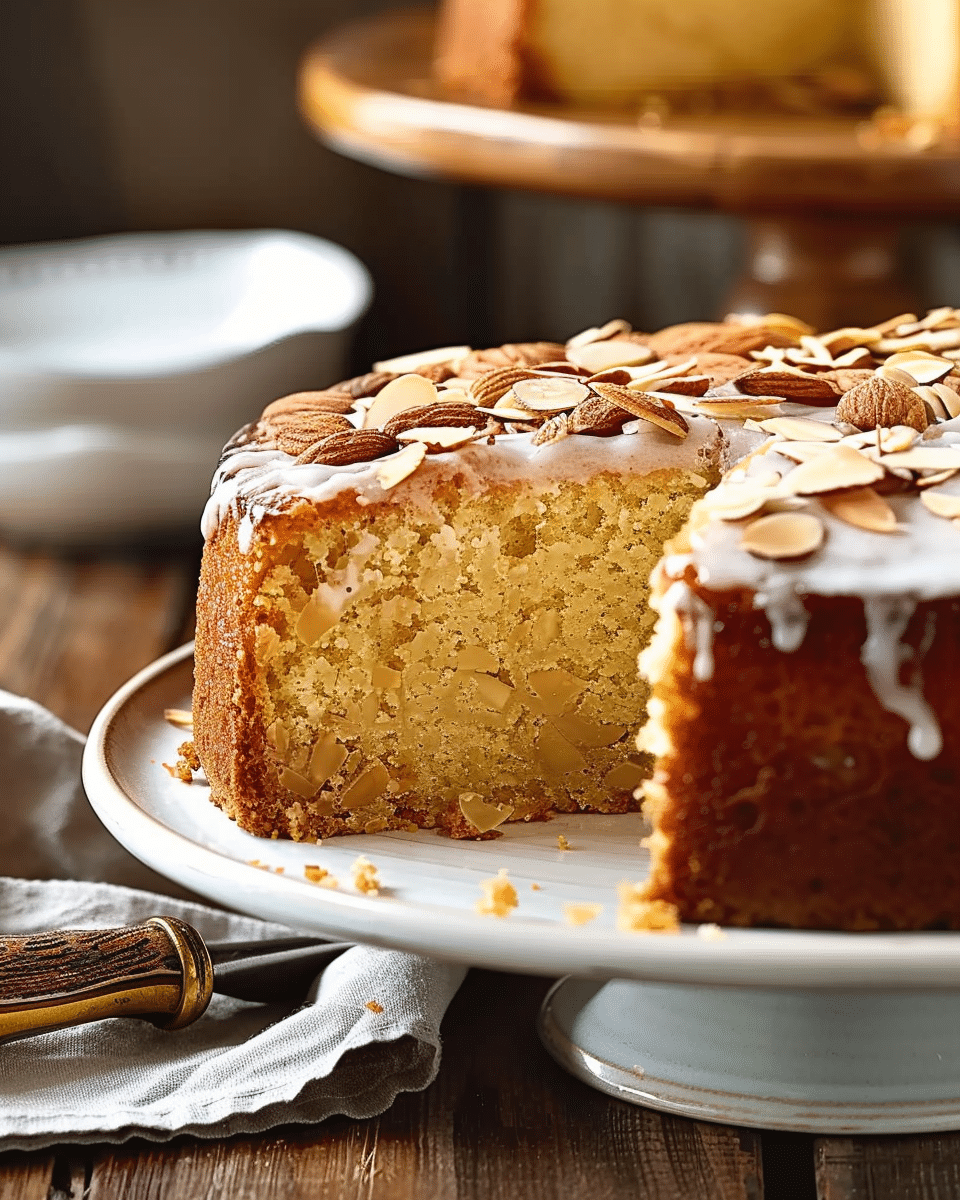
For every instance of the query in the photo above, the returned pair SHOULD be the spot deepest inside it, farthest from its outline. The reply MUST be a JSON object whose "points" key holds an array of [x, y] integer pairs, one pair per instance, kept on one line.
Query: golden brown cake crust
{"points": [[793, 797]]}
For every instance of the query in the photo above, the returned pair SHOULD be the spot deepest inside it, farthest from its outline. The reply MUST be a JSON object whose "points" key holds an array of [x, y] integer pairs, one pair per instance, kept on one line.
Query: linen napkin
{"points": [[242, 1067]]}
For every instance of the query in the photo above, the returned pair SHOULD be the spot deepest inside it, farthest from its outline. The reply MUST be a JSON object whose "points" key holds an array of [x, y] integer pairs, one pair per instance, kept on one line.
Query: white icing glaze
{"points": [[698, 620], [253, 481], [882, 655], [890, 572]]}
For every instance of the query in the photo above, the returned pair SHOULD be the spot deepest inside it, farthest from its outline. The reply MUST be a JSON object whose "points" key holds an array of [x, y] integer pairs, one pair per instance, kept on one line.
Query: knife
{"points": [[160, 971]]}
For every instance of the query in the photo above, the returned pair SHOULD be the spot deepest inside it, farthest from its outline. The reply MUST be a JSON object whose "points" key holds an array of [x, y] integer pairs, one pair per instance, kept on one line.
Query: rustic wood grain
{"points": [[889, 1168], [25, 1176], [73, 630], [502, 1120]]}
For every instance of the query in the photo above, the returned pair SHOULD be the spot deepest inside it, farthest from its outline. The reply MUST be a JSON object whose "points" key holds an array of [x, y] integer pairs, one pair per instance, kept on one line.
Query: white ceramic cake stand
{"points": [[820, 1032]]}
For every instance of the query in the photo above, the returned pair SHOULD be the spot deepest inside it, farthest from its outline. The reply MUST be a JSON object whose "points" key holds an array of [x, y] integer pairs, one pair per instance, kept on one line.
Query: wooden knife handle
{"points": [[159, 971]]}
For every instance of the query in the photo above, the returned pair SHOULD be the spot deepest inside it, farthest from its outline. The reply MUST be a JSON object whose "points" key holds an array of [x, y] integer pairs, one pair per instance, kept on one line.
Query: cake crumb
{"points": [[364, 875], [638, 1070], [711, 932], [499, 896], [374, 1006], [638, 915], [581, 914], [320, 876], [181, 717], [535, 887], [562, 843]]}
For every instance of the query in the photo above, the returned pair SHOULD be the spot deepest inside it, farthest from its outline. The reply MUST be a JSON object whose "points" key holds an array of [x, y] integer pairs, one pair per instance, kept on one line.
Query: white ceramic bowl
{"points": [[126, 362]]}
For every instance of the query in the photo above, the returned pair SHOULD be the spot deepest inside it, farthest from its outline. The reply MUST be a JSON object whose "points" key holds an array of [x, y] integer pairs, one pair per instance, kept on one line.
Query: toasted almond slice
{"points": [[925, 458], [949, 398], [937, 317], [424, 358], [930, 340], [406, 391], [739, 501], [816, 349], [681, 385], [783, 535], [662, 369], [801, 429], [601, 334], [439, 437], [600, 356], [896, 375], [396, 468], [481, 815], [783, 323], [936, 409], [923, 367], [863, 508], [897, 439], [894, 323], [839, 341], [936, 478], [736, 407], [182, 717], [802, 452], [553, 394], [839, 467], [645, 406], [506, 411], [941, 504]]}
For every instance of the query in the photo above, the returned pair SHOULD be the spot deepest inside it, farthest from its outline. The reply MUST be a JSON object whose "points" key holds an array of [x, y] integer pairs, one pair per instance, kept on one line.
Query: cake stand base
{"points": [[837, 1062]]}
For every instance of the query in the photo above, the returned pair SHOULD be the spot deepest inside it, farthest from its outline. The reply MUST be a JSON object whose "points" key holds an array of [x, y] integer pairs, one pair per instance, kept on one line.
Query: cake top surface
{"points": [[849, 440]]}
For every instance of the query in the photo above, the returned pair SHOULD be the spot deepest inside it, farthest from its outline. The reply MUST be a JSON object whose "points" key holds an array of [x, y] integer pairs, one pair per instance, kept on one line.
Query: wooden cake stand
{"points": [[825, 198]]}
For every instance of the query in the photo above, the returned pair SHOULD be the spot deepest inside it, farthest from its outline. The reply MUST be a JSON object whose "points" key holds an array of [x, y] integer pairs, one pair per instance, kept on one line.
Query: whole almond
{"points": [[330, 401], [598, 416], [792, 385], [294, 435], [450, 414], [511, 354], [349, 447], [644, 406], [489, 388], [364, 385], [878, 402]]}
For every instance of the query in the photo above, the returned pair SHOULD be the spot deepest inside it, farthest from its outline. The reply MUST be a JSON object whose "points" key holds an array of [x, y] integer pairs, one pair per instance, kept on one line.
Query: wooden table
{"points": [[502, 1120], [825, 198]]}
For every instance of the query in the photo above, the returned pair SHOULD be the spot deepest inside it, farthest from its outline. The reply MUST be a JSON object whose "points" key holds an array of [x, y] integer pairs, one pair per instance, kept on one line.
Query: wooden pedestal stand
{"points": [[824, 202]]}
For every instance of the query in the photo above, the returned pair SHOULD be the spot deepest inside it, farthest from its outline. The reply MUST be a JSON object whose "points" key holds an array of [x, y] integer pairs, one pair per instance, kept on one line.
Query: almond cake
{"points": [[424, 591]]}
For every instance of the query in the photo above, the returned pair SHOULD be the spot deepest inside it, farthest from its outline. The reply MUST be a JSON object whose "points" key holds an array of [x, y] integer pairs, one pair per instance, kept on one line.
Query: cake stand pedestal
{"points": [[818, 1061], [824, 197]]}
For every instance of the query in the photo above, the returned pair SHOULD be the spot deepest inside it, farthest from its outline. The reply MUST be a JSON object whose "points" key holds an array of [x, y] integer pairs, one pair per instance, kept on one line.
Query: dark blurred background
{"points": [[122, 115]]}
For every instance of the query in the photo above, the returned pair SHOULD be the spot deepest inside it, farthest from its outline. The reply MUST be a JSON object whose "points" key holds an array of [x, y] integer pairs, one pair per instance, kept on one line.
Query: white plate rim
{"points": [[753, 958]]}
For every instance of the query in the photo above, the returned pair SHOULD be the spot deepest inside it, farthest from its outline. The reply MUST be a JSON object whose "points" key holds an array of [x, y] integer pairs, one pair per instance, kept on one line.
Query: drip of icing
{"points": [[883, 654], [787, 615], [698, 619]]}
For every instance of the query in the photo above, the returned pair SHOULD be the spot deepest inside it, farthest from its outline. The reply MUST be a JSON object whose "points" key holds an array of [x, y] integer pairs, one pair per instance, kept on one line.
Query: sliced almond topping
{"points": [[554, 429], [801, 429], [406, 391], [645, 406], [348, 447], [922, 367], [839, 341], [597, 415], [601, 334], [896, 440], [839, 467], [783, 536], [936, 409], [407, 363], [925, 458], [735, 503], [936, 478], [930, 340], [397, 468], [552, 394], [725, 408], [684, 385], [600, 356], [941, 504], [438, 437], [949, 398], [895, 375], [863, 508], [481, 815], [802, 452], [504, 410]]}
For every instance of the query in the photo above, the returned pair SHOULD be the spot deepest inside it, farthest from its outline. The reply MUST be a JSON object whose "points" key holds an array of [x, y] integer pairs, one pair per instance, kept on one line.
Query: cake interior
{"points": [[427, 665]]}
